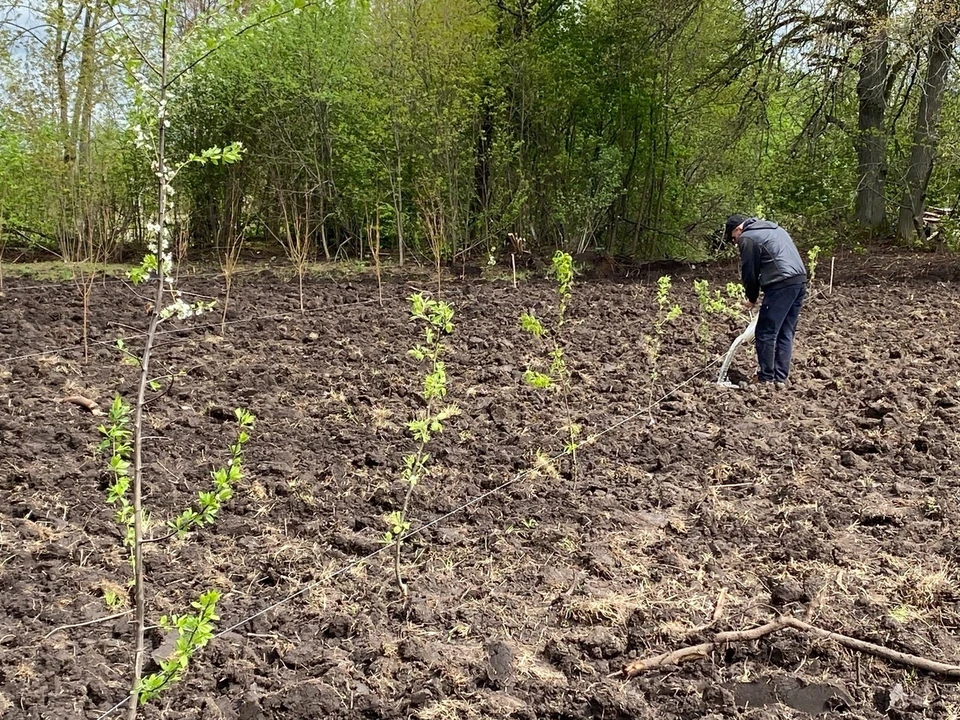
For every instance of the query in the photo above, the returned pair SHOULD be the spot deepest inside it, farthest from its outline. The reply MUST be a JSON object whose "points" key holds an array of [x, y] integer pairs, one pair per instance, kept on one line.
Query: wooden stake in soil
{"points": [[833, 260], [697, 652], [513, 264]]}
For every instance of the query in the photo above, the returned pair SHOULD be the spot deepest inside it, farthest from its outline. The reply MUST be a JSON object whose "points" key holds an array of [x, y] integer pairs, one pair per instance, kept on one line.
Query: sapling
{"points": [[151, 82], [431, 212], [713, 304], [84, 253], [373, 244], [665, 313], [437, 317], [812, 255], [231, 234], [557, 375], [297, 238]]}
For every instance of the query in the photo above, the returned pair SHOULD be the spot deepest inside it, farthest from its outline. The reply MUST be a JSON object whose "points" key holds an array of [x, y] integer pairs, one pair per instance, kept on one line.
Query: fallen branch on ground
{"points": [[86, 403], [88, 622], [697, 652], [717, 612]]}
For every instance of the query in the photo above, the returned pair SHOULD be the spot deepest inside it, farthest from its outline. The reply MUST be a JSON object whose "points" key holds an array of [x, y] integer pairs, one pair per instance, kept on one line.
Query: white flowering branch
{"points": [[157, 265]]}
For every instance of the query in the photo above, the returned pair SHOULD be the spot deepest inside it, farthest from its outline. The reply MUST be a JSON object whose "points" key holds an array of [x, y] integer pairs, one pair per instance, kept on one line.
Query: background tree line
{"points": [[444, 126]]}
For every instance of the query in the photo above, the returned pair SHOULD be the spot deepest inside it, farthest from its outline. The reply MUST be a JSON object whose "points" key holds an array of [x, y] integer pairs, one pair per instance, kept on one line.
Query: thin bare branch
{"points": [[700, 651]]}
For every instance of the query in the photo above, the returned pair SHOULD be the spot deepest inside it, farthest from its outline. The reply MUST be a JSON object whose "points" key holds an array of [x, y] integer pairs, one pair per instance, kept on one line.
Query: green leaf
{"points": [[537, 379], [532, 325]]}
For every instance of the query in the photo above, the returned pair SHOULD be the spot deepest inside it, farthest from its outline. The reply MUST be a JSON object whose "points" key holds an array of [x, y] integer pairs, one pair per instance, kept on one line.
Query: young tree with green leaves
{"points": [[152, 80], [436, 317], [558, 374], [665, 312]]}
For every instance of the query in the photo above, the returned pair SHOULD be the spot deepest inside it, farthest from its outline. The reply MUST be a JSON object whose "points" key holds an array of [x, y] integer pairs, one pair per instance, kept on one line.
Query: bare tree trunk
{"points": [[86, 87], [871, 142], [925, 136], [62, 34], [398, 194], [323, 225], [139, 580]]}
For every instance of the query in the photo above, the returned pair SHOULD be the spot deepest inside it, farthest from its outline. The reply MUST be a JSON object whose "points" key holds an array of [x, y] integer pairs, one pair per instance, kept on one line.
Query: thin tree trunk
{"points": [[138, 574], [80, 123], [323, 225], [398, 194], [871, 141], [925, 137], [61, 40]]}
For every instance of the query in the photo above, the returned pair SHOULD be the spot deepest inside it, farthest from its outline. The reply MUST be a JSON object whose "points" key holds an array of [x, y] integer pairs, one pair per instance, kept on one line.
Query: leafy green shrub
{"points": [[715, 303]]}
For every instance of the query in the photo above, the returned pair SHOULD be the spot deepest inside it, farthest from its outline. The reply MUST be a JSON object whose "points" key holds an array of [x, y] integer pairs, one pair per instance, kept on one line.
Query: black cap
{"points": [[733, 222]]}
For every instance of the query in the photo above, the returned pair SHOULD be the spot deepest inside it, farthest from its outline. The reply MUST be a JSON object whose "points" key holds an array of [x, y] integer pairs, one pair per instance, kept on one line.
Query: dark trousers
{"points": [[775, 329]]}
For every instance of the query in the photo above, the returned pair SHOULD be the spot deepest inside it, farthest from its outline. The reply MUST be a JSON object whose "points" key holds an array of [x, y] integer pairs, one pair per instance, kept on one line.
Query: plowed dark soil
{"points": [[833, 500]]}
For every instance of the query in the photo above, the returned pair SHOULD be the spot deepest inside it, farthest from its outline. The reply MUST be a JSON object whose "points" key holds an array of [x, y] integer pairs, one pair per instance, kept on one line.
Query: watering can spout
{"points": [[745, 337]]}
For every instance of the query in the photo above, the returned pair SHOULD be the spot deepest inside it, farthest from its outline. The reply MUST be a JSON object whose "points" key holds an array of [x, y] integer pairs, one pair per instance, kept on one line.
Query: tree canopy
{"points": [[630, 127]]}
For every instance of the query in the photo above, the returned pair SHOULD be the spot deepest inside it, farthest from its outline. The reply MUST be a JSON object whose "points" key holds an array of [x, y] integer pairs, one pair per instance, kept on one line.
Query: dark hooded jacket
{"points": [[768, 258]]}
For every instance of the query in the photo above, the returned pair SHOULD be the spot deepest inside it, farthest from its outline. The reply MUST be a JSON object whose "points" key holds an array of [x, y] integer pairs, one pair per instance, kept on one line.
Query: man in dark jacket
{"points": [[769, 261]]}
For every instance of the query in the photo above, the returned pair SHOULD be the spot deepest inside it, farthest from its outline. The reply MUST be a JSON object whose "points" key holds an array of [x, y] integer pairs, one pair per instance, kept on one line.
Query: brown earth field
{"points": [[533, 582]]}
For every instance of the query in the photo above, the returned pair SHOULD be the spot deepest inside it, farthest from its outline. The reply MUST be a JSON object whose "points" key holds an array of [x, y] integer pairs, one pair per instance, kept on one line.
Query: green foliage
{"points": [[194, 631], [736, 293], [115, 444], [561, 270], [226, 155], [665, 313], [210, 502], [397, 526], [531, 324], [126, 357], [538, 380], [622, 126], [715, 303], [437, 318], [812, 255], [112, 598], [557, 375]]}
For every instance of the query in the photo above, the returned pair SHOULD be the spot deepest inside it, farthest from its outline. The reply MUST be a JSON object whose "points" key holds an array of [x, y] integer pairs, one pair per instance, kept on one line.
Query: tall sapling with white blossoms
{"points": [[151, 81]]}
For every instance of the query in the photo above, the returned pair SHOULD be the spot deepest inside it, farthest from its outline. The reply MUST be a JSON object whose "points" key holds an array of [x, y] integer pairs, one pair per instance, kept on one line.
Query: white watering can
{"points": [[745, 337]]}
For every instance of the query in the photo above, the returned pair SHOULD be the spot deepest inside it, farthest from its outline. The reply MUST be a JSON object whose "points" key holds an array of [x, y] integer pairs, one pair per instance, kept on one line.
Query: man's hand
{"points": [[749, 306]]}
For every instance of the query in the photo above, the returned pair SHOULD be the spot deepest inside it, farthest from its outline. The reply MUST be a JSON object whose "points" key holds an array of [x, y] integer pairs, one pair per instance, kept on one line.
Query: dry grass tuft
{"points": [[381, 418], [448, 709], [926, 588], [603, 607], [529, 665]]}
